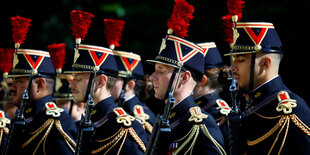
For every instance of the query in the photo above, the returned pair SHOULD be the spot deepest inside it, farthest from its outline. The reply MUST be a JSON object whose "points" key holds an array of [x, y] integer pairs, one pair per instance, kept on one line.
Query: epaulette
{"points": [[286, 104], [223, 106], [123, 117], [121, 134], [55, 112], [3, 122], [142, 117], [190, 138], [196, 115]]}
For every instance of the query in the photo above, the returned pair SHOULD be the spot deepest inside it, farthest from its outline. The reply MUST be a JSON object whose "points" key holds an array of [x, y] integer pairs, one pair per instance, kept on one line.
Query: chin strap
{"points": [[90, 82], [252, 72]]}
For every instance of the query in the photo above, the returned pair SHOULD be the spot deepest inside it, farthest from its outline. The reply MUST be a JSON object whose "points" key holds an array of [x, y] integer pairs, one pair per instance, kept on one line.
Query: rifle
{"points": [[86, 130], [235, 122], [18, 123], [159, 140]]}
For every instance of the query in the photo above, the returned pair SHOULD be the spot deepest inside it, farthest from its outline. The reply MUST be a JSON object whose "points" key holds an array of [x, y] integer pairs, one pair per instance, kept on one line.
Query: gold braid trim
{"points": [[193, 132], [1, 134], [49, 123], [38, 131], [300, 124], [137, 139], [148, 127], [206, 132], [116, 137], [284, 122], [44, 138], [192, 135], [67, 138], [269, 133]]}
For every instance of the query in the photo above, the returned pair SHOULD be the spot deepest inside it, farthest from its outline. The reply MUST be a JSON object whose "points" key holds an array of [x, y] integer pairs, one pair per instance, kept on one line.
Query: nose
{"points": [[234, 67], [71, 84], [153, 76]]}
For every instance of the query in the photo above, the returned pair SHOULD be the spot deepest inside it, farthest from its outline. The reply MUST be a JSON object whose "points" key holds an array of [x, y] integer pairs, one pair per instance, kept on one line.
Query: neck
{"points": [[200, 91], [100, 95]]}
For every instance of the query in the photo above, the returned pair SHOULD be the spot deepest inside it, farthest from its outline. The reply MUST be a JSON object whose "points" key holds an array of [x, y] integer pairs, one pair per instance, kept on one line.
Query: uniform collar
{"points": [[267, 89], [207, 98], [129, 104], [182, 108], [35, 107], [103, 108]]}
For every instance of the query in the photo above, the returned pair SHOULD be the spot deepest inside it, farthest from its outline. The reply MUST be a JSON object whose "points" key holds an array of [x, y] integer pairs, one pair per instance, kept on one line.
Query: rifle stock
{"points": [[159, 140], [235, 120], [18, 125], [86, 130]]}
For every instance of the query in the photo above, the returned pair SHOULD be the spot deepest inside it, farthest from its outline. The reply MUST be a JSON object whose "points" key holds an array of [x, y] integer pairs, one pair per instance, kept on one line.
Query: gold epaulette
{"points": [[223, 107], [142, 117], [196, 115], [191, 137], [121, 134], [123, 117], [51, 110], [3, 122], [286, 104]]}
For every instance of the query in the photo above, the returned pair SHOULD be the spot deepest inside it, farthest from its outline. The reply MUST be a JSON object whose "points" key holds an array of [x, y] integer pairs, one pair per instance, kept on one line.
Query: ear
{"points": [[102, 80], [40, 84], [266, 62], [203, 81], [184, 77], [130, 85]]}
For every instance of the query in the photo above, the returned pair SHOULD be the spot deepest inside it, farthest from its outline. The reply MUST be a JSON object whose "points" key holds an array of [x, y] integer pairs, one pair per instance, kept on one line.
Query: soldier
{"points": [[277, 119], [130, 70], [48, 129], [206, 92], [115, 132], [178, 67]]}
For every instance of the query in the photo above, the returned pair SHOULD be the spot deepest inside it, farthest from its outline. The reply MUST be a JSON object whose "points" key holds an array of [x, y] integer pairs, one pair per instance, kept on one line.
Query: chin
{"points": [[159, 96]]}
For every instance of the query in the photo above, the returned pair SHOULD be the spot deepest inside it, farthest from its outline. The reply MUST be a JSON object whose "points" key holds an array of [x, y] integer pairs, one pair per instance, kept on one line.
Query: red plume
{"points": [[81, 21], [58, 54], [6, 59], [113, 31], [180, 18], [234, 8], [20, 28]]}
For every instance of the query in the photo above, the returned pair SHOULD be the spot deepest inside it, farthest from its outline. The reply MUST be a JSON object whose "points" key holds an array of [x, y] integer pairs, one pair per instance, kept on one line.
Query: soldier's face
{"points": [[161, 77], [79, 85], [17, 89], [116, 90], [241, 67]]}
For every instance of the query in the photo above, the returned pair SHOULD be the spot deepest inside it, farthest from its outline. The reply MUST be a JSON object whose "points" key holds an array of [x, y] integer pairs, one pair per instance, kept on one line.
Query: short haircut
{"points": [[110, 82]]}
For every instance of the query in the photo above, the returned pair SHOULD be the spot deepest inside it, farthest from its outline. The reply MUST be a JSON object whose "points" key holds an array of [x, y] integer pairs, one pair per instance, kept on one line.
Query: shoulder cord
{"points": [[121, 133], [192, 135], [49, 123], [284, 121]]}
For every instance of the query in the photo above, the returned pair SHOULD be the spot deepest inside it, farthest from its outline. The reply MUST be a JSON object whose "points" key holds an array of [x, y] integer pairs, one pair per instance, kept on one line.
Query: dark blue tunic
{"points": [[107, 128], [262, 119], [181, 127], [208, 103], [128, 106], [35, 114]]}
